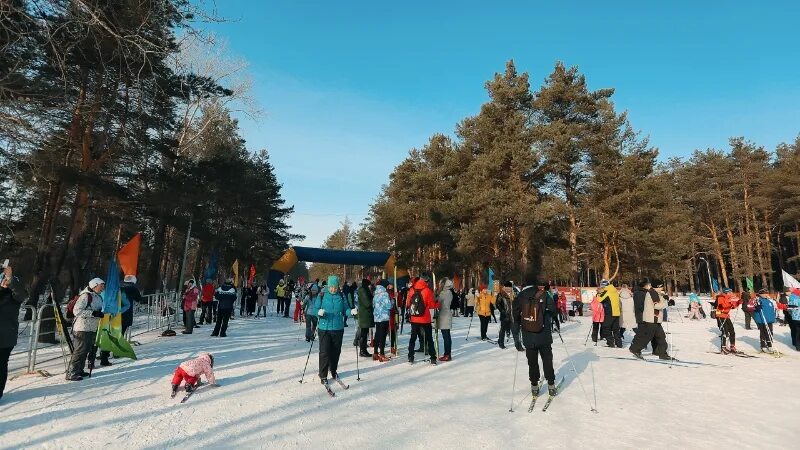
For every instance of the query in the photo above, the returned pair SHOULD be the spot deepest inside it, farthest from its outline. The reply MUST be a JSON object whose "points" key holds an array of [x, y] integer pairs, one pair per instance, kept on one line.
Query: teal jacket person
{"points": [[335, 308]]}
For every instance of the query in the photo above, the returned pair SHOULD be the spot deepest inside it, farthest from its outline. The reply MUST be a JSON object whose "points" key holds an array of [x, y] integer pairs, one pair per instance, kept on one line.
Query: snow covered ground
{"points": [[731, 402]]}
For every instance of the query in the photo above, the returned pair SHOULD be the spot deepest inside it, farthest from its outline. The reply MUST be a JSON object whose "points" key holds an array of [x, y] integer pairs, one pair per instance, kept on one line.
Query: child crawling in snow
{"points": [[191, 370]]}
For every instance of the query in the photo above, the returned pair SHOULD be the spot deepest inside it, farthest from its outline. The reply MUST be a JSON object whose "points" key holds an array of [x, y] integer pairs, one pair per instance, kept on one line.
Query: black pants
{"points": [[470, 311], [362, 339], [764, 335], [484, 325], [206, 312], [280, 305], [222, 323], [330, 348], [612, 334], [425, 334], [505, 327], [533, 352], [650, 332], [188, 321], [595, 330], [448, 342], [794, 329], [311, 326], [381, 331], [515, 333], [748, 317], [286, 306], [5, 353], [727, 331], [82, 342]]}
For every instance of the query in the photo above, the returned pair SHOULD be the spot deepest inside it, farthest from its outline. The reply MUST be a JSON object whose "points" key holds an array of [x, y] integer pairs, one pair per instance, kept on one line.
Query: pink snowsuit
{"points": [[598, 313], [192, 369]]}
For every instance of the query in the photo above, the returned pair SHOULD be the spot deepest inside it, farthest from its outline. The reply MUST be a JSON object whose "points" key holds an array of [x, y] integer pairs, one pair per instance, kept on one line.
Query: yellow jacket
{"points": [[482, 304], [612, 295]]}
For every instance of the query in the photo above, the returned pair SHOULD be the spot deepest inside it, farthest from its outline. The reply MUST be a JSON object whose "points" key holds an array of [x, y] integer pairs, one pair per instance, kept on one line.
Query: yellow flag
{"points": [[235, 269]]}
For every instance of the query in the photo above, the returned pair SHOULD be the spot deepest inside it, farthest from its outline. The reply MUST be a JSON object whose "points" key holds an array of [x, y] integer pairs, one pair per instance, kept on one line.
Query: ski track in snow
{"points": [[459, 404]]}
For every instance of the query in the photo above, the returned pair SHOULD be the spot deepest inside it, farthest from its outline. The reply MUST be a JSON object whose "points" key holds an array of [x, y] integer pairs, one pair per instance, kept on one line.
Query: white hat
{"points": [[95, 282], [130, 279]]}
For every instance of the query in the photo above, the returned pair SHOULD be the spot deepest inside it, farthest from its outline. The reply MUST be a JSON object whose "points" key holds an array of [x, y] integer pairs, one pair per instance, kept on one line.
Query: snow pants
{"points": [[533, 353], [222, 323], [5, 353], [484, 326], [297, 310], [505, 328], [181, 375], [330, 348], [748, 317], [82, 341], [516, 334], [188, 321], [425, 333], [448, 342], [764, 335], [595, 330], [650, 332], [612, 336], [381, 331], [206, 311], [726, 326], [311, 326], [794, 329]]}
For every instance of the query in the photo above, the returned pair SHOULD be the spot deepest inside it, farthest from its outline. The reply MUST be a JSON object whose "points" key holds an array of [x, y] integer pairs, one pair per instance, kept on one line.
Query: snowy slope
{"points": [[460, 404]]}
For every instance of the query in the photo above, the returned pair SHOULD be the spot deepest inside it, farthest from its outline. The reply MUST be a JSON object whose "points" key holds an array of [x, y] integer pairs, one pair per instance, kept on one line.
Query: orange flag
{"points": [[128, 255]]}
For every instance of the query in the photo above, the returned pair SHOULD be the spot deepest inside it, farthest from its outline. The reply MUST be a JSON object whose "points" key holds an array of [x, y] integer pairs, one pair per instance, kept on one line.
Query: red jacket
{"points": [[208, 293], [725, 303], [427, 296]]}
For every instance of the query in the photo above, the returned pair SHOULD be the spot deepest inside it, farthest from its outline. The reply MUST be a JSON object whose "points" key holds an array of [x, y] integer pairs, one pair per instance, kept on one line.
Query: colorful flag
{"points": [[109, 332], [715, 285], [457, 282], [491, 280], [750, 284], [235, 269], [252, 276], [213, 262], [790, 282], [128, 255]]}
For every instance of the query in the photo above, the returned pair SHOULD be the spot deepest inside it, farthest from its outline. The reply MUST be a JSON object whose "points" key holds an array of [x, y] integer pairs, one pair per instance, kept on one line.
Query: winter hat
{"points": [[763, 291], [95, 282], [603, 283], [727, 290], [333, 280], [314, 288], [508, 284], [130, 279]]}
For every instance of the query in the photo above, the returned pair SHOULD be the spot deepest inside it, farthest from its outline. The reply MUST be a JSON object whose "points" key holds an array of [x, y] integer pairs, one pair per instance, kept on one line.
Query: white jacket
{"points": [[87, 303], [627, 319]]}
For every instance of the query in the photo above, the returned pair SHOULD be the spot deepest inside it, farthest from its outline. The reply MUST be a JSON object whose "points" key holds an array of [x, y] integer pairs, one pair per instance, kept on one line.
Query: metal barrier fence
{"points": [[38, 345]]}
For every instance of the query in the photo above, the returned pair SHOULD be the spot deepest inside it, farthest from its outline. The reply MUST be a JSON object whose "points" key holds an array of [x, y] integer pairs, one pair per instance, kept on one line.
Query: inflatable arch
{"points": [[327, 256]]}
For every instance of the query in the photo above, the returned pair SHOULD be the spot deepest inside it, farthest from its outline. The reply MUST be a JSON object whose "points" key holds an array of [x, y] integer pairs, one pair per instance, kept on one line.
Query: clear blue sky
{"points": [[349, 87]]}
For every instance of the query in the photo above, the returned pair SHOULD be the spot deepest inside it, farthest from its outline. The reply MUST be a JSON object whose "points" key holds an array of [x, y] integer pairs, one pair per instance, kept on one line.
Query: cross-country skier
{"points": [[503, 304], [650, 329], [366, 319], [724, 304], [190, 372], [311, 315], [483, 306], [535, 311], [420, 302], [764, 314], [382, 306], [331, 308]]}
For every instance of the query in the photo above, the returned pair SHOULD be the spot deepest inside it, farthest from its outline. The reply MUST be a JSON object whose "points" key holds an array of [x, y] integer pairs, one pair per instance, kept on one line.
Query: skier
{"points": [[609, 296], [598, 316], [366, 318], [483, 304], [627, 318], [650, 329], [503, 303], [311, 318], [190, 372], [331, 308], [793, 306], [444, 319], [9, 322], [382, 307], [190, 296], [420, 301], [87, 311], [534, 310], [226, 297], [724, 304], [764, 313]]}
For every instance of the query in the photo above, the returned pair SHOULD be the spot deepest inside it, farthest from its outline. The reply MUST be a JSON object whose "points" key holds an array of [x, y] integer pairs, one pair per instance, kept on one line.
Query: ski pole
{"points": [[587, 336], [470, 325], [569, 357], [309, 356], [514, 383], [358, 371]]}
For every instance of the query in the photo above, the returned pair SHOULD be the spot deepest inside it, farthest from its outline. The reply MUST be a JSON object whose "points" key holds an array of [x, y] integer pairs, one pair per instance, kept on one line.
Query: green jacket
{"points": [[365, 310]]}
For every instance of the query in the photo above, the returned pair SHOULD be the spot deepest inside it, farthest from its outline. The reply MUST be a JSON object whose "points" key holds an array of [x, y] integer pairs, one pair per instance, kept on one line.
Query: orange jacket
{"points": [[427, 296], [725, 303]]}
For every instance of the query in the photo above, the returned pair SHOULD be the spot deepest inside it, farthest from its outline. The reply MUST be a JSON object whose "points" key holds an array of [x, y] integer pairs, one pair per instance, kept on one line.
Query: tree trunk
{"points": [[759, 252], [691, 271], [718, 252], [573, 247], [737, 274]]}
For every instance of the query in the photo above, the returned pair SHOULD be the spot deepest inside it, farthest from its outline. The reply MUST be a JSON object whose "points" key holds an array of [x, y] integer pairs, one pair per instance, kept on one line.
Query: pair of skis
{"points": [[332, 394], [550, 398], [740, 354]]}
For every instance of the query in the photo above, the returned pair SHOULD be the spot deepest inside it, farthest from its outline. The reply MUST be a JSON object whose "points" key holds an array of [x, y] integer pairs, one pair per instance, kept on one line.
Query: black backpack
{"points": [[533, 315], [417, 304]]}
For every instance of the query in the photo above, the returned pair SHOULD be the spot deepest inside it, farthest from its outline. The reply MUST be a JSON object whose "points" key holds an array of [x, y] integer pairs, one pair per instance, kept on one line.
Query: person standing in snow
{"points": [[331, 308], [130, 296], [311, 316], [280, 294], [382, 309], [650, 329], [746, 296], [420, 301], [764, 313], [724, 304], [190, 297], [226, 297], [609, 296], [484, 304], [190, 371], [694, 306], [598, 316], [444, 319], [366, 318], [263, 296], [535, 310], [9, 322], [88, 312], [207, 302], [503, 304], [793, 306], [470, 301], [627, 318]]}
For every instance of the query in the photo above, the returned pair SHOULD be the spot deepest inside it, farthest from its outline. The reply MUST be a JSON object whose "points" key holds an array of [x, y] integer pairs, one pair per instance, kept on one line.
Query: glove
{"points": [[354, 311], [98, 314], [321, 313]]}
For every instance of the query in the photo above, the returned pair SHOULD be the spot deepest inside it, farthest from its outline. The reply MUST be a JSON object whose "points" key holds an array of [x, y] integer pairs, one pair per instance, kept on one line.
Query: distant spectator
{"points": [[9, 323]]}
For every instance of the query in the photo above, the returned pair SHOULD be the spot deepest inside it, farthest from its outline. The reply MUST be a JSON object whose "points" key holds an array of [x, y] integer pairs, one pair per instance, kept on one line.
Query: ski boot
{"points": [[637, 355], [174, 391], [552, 390], [105, 362], [189, 388]]}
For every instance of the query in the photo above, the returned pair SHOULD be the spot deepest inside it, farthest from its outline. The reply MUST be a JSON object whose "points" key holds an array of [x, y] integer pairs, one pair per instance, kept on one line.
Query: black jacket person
{"points": [[535, 311]]}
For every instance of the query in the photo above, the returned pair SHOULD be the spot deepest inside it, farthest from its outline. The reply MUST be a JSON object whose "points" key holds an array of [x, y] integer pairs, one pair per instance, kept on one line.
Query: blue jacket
{"points": [[336, 308], [794, 300], [764, 310], [382, 304], [693, 298]]}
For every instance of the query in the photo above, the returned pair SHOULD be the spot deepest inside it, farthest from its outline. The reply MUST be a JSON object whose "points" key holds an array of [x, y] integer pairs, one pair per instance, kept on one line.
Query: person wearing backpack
{"points": [[419, 302], [87, 310], [535, 311], [9, 322]]}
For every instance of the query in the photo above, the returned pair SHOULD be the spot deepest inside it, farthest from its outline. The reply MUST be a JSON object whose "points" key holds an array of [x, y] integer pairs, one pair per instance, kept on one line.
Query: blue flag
{"points": [[714, 285], [491, 280], [211, 270], [110, 303]]}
